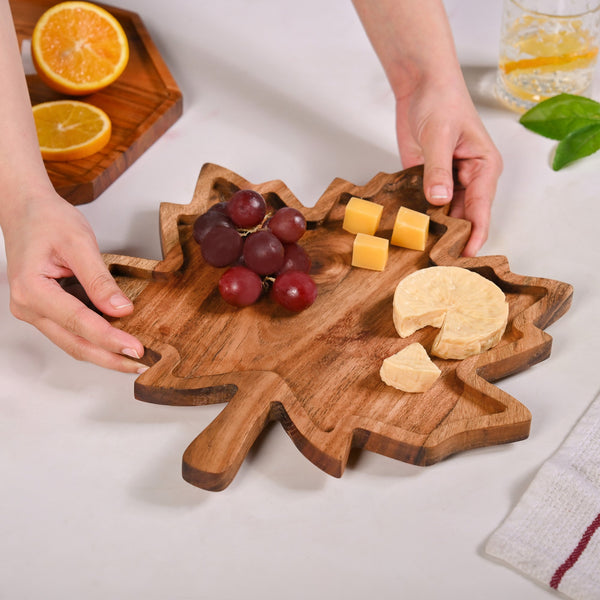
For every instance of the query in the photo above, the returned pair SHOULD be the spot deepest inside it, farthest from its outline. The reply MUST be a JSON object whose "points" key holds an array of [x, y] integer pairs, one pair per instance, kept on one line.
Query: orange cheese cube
{"points": [[369, 252], [362, 216], [410, 229]]}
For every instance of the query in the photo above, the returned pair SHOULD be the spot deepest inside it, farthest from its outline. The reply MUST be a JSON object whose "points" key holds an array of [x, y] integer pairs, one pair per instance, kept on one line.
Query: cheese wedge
{"points": [[410, 370], [470, 310]]}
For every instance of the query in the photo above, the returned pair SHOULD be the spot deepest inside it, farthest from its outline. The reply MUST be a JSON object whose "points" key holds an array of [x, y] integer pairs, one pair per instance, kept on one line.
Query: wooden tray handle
{"points": [[212, 460], [214, 457]]}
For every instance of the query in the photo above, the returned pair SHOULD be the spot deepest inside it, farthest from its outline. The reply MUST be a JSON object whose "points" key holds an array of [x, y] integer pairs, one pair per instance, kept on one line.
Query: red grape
{"points": [[295, 258], [240, 286], [220, 207], [294, 290], [246, 208], [221, 246], [204, 223], [263, 252], [236, 234], [288, 224]]}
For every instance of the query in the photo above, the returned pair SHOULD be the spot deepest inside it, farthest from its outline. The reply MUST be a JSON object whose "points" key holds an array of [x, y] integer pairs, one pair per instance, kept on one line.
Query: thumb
{"points": [[100, 285], [438, 149]]}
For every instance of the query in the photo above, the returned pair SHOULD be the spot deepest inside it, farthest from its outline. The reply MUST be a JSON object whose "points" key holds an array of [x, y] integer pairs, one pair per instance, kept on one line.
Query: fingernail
{"points": [[142, 369], [440, 192], [120, 301], [130, 352]]}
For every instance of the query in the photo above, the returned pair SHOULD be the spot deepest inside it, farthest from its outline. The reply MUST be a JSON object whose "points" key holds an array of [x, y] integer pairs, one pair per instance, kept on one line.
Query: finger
{"points": [[438, 143], [457, 208], [476, 241], [81, 349], [479, 195], [479, 230], [99, 284], [74, 317]]}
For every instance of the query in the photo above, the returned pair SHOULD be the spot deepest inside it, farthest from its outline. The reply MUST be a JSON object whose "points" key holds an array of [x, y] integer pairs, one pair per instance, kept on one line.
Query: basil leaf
{"points": [[580, 143], [558, 116]]}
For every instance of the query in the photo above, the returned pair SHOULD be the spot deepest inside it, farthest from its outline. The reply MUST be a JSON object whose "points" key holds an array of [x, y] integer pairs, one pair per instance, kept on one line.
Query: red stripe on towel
{"points": [[574, 556]]}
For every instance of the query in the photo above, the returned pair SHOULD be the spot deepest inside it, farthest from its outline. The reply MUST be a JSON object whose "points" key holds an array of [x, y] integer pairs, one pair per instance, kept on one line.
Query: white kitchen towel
{"points": [[553, 533]]}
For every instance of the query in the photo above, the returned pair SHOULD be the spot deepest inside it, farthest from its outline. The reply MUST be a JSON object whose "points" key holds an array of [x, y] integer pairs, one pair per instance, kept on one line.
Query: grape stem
{"points": [[268, 282], [247, 232]]}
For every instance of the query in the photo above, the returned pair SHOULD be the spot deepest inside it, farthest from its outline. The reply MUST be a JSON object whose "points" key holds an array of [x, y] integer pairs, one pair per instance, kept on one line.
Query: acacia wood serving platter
{"points": [[317, 372], [142, 104]]}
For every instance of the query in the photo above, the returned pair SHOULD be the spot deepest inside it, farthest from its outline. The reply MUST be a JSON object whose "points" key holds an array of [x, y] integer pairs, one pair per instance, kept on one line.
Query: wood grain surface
{"points": [[317, 372], [142, 104]]}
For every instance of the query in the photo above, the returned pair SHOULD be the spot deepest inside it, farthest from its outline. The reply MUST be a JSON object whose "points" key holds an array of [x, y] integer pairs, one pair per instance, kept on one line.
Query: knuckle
{"points": [[495, 161], [100, 283], [19, 301], [73, 322], [105, 333], [75, 349], [77, 242], [83, 233], [437, 127], [18, 292], [480, 201], [17, 311]]}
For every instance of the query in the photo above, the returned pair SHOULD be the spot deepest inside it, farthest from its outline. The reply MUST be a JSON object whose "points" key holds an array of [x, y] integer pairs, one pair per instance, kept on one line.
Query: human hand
{"points": [[438, 125], [46, 240]]}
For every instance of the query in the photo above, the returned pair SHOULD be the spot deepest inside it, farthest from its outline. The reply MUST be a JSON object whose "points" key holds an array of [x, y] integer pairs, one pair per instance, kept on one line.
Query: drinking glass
{"points": [[547, 47]]}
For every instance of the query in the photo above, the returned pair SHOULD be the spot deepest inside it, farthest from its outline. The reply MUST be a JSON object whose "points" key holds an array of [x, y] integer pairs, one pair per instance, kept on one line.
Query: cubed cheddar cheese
{"points": [[362, 216], [369, 252], [410, 229]]}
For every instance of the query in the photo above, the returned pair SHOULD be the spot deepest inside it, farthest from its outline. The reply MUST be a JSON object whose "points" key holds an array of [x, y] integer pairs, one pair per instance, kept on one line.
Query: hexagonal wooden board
{"points": [[142, 104], [317, 372]]}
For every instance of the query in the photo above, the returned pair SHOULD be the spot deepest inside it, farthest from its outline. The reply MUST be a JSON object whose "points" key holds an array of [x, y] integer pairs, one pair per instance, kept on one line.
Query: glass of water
{"points": [[547, 47]]}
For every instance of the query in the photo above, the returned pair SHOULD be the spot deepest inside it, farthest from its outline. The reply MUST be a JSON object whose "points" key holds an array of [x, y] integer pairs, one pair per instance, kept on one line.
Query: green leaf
{"points": [[560, 115], [580, 143]]}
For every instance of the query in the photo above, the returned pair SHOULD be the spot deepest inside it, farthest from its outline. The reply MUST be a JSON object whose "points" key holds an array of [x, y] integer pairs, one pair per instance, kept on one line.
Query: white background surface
{"points": [[92, 503]]}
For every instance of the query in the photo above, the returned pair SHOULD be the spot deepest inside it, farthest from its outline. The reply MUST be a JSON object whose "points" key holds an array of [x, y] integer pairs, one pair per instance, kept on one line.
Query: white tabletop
{"points": [[93, 504]]}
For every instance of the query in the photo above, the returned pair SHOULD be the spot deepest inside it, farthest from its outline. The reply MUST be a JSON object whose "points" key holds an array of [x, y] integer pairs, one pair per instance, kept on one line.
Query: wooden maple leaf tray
{"points": [[317, 372]]}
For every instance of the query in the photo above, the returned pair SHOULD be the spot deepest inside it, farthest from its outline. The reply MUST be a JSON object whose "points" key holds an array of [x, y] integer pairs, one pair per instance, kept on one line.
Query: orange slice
{"points": [[78, 48], [566, 62], [69, 129]]}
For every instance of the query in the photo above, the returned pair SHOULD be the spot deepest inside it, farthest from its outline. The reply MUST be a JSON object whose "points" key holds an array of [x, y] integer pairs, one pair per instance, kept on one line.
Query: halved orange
{"points": [[70, 129], [78, 48]]}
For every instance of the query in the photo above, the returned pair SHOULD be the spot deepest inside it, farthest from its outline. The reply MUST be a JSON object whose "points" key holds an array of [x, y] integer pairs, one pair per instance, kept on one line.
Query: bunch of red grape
{"points": [[260, 248]]}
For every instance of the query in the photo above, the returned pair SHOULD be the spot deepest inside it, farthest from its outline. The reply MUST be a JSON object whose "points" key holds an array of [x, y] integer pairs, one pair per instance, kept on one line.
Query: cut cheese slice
{"points": [[410, 229], [370, 252], [470, 310], [410, 370], [362, 216]]}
